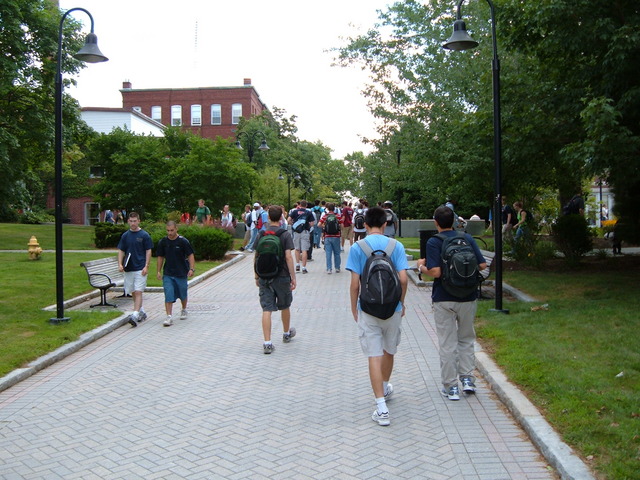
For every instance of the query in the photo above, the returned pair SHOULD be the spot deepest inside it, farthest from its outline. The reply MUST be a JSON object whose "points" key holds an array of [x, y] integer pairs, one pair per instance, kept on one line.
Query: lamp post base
{"points": [[57, 321], [495, 310]]}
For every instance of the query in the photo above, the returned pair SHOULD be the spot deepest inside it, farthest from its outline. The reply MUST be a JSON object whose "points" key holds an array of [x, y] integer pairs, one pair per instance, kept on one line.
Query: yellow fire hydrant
{"points": [[34, 248]]}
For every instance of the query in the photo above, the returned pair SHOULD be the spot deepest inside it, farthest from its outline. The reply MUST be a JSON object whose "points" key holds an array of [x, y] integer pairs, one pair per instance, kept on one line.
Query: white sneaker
{"points": [[184, 314], [168, 322], [381, 418], [388, 392]]}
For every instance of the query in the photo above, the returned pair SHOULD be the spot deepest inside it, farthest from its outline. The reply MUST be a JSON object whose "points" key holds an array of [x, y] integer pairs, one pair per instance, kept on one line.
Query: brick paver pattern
{"points": [[200, 400]]}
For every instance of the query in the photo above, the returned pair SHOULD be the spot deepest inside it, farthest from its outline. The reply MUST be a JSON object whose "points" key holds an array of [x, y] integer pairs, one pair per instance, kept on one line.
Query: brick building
{"points": [[205, 111]]}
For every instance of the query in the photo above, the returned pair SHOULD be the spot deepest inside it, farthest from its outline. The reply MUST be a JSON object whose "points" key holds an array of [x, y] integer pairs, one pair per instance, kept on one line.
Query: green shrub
{"points": [[107, 235], [208, 243], [573, 237], [35, 217], [175, 216]]}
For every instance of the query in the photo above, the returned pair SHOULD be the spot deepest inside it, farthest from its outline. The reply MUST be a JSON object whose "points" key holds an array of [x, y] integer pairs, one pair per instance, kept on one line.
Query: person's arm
{"points": [[404, 281], [147, 262], [292, 271], [159, 267], [192, 265], [354, 291], [120, 260]]}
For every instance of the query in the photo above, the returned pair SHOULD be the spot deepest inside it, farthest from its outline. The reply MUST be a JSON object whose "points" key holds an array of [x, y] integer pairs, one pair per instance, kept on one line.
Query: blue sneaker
{"points": [[468, 386], [452, 394]]}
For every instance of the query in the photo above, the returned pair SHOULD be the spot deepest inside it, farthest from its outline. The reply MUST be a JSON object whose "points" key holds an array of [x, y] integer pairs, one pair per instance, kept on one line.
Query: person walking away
{"points": [[176, 264], [331, 223], [134, 256], [392, 220], [359, 230], [317, 230], [347, 225], [454, 308], [255, 216], [301, 220], [379, 338], [275, 277], [203, 214], [246, 218]]}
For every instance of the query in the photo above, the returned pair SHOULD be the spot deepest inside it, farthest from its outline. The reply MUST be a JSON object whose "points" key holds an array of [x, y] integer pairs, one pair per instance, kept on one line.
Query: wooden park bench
{"points": [[104, 274]]}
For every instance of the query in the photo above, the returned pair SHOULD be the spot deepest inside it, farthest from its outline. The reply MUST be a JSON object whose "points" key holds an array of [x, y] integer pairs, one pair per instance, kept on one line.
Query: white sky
{"points": [[279, 44]]}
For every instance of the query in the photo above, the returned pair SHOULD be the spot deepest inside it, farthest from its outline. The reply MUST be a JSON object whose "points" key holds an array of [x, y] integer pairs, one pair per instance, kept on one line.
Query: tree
{"points": [[29, 41]]}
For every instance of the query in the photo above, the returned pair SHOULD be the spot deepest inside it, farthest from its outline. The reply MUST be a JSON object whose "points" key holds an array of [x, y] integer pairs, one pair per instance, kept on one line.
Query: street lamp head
{"points": [[460, 39], [297, 177], [90, 52], [238, 146], [263, 146], [280, 177]]}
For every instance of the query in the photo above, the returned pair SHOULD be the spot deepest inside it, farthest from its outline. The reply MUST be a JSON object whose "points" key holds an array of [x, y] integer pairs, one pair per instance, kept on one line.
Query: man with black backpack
{"points": [[454, 261], [378, 266], [301, 220], [331, 223], [275, 276]]}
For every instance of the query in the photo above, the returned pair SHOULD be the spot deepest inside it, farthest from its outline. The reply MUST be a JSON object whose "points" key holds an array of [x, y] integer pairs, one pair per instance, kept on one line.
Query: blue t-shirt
{"points": [[434, 259], [135, 244], [357, 258]]}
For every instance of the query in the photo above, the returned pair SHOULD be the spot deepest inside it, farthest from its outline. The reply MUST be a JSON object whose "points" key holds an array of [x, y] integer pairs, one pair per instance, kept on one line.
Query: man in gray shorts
{"points": [[379, 338], [302, 240], [276, 293]]}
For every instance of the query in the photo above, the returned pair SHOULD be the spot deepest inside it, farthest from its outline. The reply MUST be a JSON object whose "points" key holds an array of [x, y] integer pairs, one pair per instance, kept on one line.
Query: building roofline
{"points": [[124, 110]]}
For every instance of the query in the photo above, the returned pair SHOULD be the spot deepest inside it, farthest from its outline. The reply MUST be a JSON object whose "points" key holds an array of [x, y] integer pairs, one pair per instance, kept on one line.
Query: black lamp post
{"points": [[297, 178], [250, 138], [461, 40], [398, 152], [89, 53]]}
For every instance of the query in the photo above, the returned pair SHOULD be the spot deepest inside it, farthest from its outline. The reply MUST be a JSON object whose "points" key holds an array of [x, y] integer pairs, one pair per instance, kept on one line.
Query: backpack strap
{"points": [[388, 250]]}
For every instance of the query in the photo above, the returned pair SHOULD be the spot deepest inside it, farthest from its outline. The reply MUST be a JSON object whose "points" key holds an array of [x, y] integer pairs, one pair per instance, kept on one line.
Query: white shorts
{"points": [[134, 282], [379, 336]]}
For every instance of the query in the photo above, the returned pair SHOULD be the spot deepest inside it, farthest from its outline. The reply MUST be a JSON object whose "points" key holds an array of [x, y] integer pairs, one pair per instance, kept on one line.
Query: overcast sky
{"points": [[280, 44]]}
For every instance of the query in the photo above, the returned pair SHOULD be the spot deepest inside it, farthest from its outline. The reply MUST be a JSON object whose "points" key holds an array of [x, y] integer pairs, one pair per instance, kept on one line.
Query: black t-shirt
{"points": [[505, 213], [175, 253], [308, 214]]}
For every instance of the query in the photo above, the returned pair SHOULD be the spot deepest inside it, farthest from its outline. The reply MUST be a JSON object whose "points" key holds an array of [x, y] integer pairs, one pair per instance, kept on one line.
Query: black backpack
{"points": [[332, 225], [269, 254], [460, 272], [380, 289], [571, 207], [358, 220]]}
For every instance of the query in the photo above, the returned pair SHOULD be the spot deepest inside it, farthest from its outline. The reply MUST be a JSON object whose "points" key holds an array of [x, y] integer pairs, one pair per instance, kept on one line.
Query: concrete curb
{"points": [[85, 339], [541, 433], [544, 437]]}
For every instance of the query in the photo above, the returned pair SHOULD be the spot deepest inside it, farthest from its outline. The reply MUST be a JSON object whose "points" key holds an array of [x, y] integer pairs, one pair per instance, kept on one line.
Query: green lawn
{"points": [[578, 361], [74, 237]]}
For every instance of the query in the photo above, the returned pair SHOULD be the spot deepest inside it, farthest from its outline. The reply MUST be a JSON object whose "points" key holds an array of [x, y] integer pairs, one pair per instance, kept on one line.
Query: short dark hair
{"points": [[275, 212], [375, 217], [444, 216], [134, 215], [331, 207], [303, 203]]}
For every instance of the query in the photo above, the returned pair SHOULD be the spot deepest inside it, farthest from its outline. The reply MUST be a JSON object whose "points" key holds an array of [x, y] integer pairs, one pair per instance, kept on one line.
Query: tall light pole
{"points": [[398, 153], [461, 40], [250, 140], [89, 53], [297, 178]]}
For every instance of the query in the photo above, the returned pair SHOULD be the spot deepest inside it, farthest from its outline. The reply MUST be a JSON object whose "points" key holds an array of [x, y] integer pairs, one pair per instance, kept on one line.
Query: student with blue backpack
{"points": [[454, 260], [378, 266]]}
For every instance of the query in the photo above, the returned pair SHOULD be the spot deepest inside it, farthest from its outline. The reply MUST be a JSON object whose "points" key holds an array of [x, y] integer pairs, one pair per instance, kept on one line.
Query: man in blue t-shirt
{"points": [[453, 316], [134, 255], [379, 339]]}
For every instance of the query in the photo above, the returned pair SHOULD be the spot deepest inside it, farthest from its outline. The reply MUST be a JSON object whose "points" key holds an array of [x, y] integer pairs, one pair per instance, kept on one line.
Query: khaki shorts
{"points": [[347, 232], [134, 282], [301, 241], [379, 336]]}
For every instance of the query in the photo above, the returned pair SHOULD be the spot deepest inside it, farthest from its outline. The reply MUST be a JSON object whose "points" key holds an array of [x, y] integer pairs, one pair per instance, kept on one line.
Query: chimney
{"points": [[126, 85], [247, 81]]}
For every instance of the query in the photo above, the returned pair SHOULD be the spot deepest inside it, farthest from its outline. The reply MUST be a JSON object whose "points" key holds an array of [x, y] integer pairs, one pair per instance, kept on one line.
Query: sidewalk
{"points": [[200, 399]]}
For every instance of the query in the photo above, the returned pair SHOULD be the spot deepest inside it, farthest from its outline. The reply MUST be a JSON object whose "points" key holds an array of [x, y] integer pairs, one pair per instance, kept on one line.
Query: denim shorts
{"points": [[275, 294], [174, 288]]}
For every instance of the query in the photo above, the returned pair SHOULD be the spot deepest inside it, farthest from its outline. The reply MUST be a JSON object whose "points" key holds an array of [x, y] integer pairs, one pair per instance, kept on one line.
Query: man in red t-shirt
{"points": [[347, 226]]}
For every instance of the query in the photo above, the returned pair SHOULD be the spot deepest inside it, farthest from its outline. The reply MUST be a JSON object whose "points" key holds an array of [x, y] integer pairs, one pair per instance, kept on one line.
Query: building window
{"points": [[196, 114], [216, 114], [176, 115], [156, 113], [236, 113], [96, 172]]}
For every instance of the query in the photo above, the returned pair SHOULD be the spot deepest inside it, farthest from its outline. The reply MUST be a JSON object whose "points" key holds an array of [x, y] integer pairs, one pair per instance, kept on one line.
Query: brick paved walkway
{"points": [[201, 400]]}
